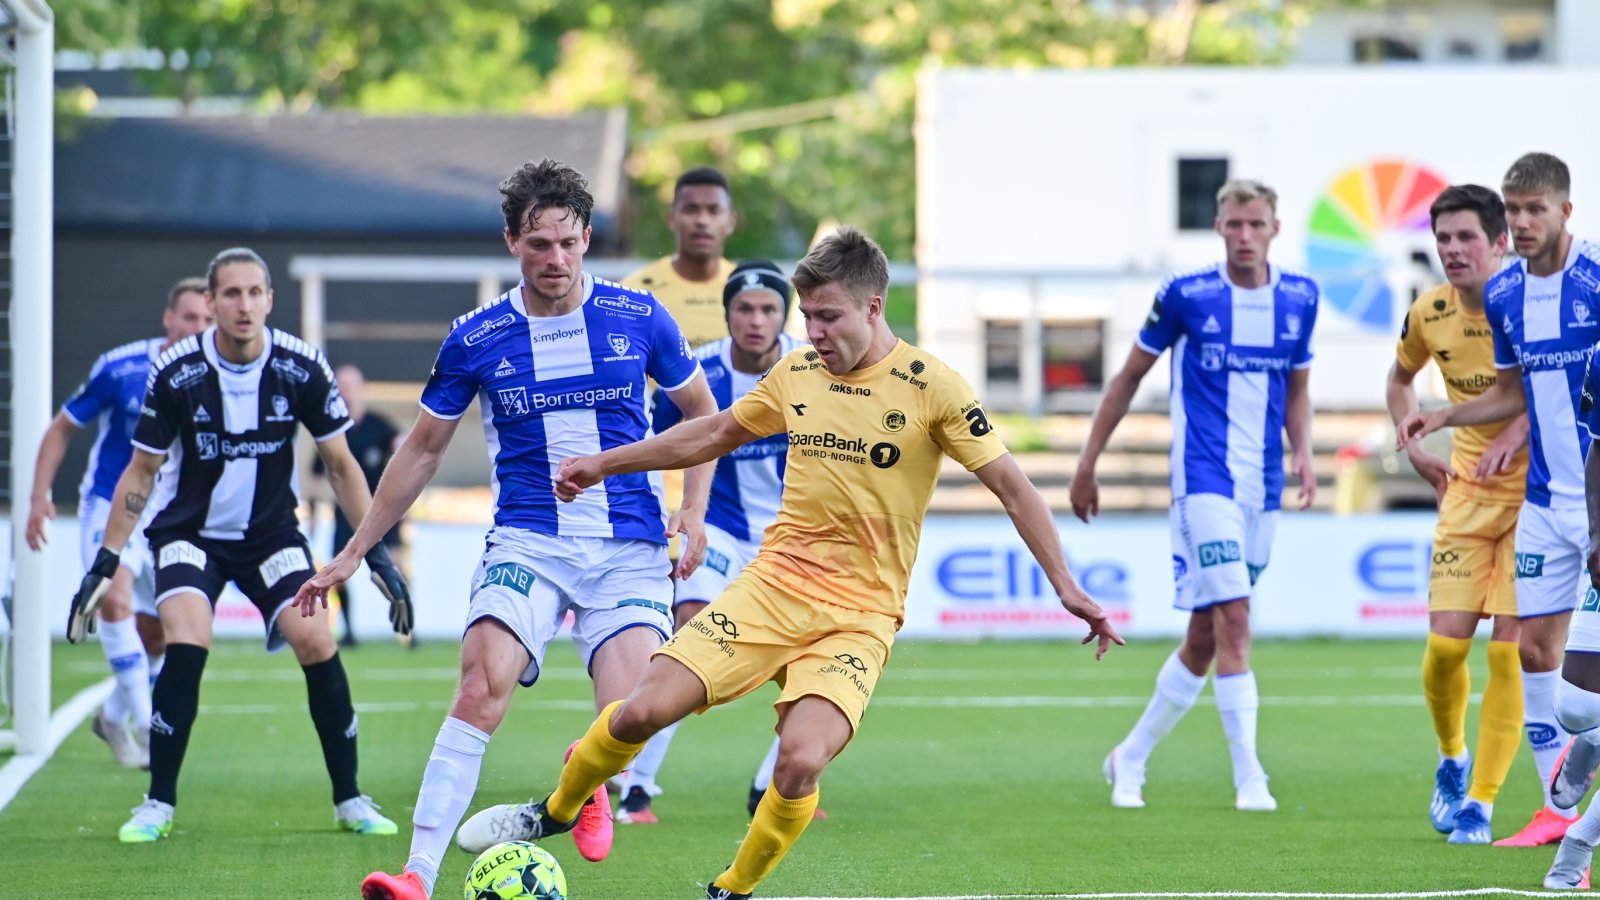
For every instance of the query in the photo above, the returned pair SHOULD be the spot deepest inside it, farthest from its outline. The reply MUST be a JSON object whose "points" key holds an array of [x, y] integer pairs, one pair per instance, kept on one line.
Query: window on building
{"points": [[1522, 35], [1073, 359], [1382, 48], [1461, 49], [1198, 182], [1002, 352]]}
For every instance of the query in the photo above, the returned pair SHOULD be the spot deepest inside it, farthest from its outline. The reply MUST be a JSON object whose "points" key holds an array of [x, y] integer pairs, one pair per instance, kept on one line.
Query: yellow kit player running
{"points": [[868, 418], [1480, 491]]}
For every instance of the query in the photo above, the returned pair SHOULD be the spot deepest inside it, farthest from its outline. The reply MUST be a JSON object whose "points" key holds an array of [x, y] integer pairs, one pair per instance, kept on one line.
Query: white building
{"points": [[1052, 203], [1456, 32]]}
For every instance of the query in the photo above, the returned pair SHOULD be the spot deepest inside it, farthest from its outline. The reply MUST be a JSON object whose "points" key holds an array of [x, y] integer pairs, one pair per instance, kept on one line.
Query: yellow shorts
{"points": [[754, 633], [1474, 563]]}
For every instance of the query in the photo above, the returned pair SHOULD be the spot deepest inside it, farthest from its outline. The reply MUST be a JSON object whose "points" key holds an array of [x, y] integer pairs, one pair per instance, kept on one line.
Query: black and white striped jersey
{"points": [[232, 429]]}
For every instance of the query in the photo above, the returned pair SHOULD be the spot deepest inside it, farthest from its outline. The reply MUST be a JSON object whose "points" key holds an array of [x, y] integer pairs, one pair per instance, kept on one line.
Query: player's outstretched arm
{"points": [[403, 479], [1503, 400], [679, 447], [1400, 395], [1297, 420], [1037, 527], [1501, 453], [1113, 406], [52, 449]]}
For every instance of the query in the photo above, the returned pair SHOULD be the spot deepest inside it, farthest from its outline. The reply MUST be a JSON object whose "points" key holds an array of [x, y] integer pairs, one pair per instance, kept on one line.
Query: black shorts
{"points": [[268, 572]]}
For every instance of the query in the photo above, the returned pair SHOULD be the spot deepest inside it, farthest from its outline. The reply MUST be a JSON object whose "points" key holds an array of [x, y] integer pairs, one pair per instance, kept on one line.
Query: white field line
{"points": [[15, 773], [1230, 895]]}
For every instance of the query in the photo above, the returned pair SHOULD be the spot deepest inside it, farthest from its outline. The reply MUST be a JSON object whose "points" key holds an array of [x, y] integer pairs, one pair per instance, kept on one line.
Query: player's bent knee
{"points": [[1577, 709], [479, 702]]}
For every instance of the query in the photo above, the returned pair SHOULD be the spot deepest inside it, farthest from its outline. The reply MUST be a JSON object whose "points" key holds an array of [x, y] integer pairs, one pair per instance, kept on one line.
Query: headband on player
{"points": [[756, 275]]}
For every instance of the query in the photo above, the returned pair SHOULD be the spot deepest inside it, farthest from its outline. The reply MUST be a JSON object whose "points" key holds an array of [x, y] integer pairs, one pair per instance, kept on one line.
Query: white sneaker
{"points": [[1570, 869], [119, 737], [1126, 780], [152, 821], [496, 825], [1253, 796], [360, 814]]}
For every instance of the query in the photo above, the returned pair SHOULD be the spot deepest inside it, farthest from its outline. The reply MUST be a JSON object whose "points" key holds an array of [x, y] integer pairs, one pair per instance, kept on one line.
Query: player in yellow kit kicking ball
{"points": [[868, 418]]}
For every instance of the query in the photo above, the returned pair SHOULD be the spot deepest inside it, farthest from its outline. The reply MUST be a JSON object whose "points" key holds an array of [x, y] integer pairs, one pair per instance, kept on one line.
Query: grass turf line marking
{"points": [[1228, 894], [1241, 895], [15, 774]]}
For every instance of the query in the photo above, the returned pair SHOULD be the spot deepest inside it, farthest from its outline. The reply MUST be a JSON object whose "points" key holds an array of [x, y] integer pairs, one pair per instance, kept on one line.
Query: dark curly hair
{"points": [[542, 185]]}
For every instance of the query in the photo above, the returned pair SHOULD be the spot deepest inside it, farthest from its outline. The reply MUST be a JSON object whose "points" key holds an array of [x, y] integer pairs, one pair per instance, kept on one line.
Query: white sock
{"points": [[448, 784], [764, 774], [1545, 733], [1587, 828], [1238, 701], [131, 697], [648, 762], [1177, 688], [1577, 710]]}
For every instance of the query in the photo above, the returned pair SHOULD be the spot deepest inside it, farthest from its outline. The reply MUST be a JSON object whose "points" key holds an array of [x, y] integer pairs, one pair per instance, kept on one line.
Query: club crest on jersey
{"points": [[1211, 356], [205, 445], [1291, 324], [280, 409], [514, 401], [188, 374], [289, 370], [619, 348], [1582, 313], [622, 305]]}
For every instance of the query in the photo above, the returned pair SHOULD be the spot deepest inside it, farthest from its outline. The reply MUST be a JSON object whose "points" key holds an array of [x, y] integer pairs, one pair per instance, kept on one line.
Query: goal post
{"points": [[32, 243]]}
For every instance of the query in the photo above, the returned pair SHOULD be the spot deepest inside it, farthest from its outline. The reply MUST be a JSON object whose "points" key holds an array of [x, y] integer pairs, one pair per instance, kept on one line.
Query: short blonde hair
{"points": [[848, 257], [1537, 173], [1243, 190]]}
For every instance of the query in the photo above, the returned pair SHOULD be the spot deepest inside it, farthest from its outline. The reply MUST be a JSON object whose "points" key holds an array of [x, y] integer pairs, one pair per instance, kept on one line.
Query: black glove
{"points": [[386, 575], [91, 591]]}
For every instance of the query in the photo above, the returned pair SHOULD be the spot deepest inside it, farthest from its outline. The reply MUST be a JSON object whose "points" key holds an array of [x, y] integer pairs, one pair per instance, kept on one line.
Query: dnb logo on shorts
{"points": [[1591, 600], [1215, 553], [716, 562], [511, 575], [1530, 565]]}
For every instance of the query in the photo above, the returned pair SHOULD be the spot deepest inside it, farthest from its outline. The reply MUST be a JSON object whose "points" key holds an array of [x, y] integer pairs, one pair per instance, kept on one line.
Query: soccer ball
{"points": [[516, 870]]}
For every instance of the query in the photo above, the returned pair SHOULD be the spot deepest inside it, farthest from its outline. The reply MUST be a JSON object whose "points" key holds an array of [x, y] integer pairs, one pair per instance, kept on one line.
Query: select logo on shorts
{"points": [[511, 575], [1530, 565], [181, 553], [716, 562], [285, 561], [1215, 553], [1255, 572]]}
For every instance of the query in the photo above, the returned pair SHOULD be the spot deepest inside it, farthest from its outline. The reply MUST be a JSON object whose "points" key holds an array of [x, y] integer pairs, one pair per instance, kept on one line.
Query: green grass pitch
{"points": [[977, 772]]}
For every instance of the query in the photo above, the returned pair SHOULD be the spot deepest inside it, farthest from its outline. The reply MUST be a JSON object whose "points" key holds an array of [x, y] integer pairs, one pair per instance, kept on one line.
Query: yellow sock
{"points": [[1447, 683], [777, 825], [1499, 722], [597, 757]]}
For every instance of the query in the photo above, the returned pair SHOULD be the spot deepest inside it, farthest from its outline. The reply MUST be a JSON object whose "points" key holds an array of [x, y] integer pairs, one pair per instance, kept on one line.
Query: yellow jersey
{"points": [[864, 451], [695, 305], [1439, 327]]}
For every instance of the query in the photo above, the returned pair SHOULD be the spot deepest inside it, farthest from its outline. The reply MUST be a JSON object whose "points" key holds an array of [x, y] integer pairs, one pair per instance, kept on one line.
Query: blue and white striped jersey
{"points": [[111, 397], [1548, 326], [559, 386], [1232, 351], [748, 485]]}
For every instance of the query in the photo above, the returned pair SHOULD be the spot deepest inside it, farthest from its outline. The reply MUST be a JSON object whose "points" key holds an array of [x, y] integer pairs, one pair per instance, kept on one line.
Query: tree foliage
{"points": [[808, 105]]}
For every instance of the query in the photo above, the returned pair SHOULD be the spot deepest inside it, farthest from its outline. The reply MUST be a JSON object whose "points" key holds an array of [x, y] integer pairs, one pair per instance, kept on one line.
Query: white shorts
{"points": [[726, 557], [93, 513], [1550, 552], [528, 581], [1219, 549]]}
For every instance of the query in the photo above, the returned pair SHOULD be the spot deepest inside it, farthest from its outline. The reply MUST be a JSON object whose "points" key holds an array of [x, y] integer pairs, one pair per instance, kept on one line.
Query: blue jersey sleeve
{"points": [[672, 363], [1164, 325], [93, 397], [1302, 349], [453, 384], [1505, 355]]}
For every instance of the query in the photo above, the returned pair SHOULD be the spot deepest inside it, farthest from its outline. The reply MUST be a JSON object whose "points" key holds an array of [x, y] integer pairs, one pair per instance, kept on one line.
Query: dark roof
{"points": [[321, 174]]}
